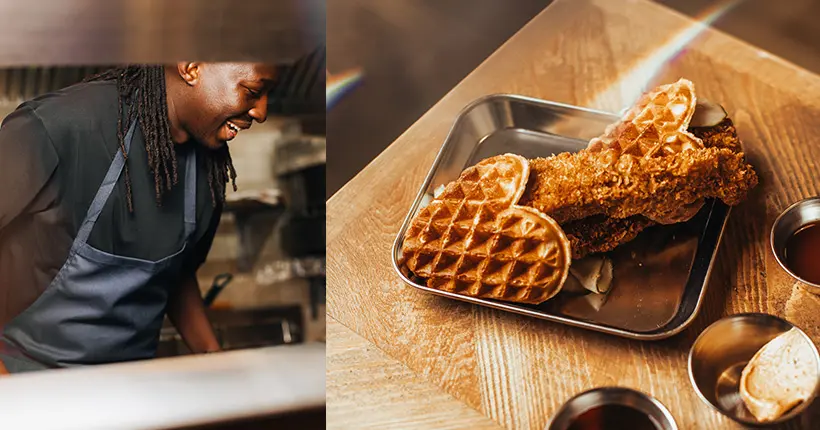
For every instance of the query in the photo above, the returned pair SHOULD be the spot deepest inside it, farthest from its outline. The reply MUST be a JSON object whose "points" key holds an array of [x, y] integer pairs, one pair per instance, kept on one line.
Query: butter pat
{"points": [[780, 376], [593, 273]]}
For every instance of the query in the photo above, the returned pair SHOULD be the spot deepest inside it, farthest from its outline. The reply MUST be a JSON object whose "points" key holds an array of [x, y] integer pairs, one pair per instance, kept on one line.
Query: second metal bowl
{"points": [[792, 219], [643, 404], [720, 353]]}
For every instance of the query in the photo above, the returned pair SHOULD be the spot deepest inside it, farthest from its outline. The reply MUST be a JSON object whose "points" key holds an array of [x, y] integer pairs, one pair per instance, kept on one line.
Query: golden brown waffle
{"points": [[656, 125], [638, 159], [474, 240], [600, 233]]}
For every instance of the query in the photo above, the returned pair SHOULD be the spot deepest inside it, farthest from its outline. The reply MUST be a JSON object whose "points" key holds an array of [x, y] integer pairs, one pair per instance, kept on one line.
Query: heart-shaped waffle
{"points": [[655, 125], [473, 239]]}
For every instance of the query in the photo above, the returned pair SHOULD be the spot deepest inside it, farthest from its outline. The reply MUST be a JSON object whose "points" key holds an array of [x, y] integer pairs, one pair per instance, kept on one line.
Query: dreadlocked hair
{"points": [[151, 110]]}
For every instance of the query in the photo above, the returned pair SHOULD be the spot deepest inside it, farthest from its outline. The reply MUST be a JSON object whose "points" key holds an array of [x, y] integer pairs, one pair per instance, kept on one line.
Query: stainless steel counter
{"points": [[168, 393]]}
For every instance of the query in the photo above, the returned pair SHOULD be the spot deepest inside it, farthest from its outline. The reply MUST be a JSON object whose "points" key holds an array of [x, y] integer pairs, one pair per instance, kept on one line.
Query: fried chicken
{"points": [[600, 233], [574, 186], [602, 203]]}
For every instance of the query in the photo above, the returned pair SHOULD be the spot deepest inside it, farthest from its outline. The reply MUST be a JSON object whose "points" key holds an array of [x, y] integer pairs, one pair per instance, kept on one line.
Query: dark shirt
{"points": [[54, 153]]}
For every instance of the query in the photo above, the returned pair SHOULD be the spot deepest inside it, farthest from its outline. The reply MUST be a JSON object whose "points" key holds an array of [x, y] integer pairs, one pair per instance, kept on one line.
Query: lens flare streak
{"points": [[629, 87], [341, 84]]}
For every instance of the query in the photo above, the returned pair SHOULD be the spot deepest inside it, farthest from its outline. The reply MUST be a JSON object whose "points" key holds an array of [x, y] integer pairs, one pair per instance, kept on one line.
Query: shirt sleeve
{"points": [[27, 161], [200, 253]]}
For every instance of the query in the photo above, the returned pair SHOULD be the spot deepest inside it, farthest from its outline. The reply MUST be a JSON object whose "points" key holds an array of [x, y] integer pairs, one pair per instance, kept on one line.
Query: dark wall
{"points": [[412, 52]]}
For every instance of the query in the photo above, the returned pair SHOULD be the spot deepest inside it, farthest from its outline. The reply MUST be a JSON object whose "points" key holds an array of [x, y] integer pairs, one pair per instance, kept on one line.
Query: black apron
{"points": [[100, 308]]}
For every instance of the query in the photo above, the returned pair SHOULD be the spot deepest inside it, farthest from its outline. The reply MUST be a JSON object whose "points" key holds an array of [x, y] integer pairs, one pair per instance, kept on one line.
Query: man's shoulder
{"points": [[78, 107]]}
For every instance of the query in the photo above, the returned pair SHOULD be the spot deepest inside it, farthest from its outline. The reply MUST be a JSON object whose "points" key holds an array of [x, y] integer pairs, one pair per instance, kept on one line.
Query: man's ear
{"points": [[189, 72]]}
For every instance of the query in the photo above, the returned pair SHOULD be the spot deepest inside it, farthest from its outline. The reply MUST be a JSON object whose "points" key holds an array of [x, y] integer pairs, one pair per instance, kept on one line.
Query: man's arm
{"points": [[187, 311], [185, 307], [27, 161]]}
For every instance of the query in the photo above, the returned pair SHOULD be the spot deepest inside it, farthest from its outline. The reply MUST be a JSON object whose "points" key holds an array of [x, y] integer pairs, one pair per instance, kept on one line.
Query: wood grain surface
{"points": [[368, 389], [516, 370]]}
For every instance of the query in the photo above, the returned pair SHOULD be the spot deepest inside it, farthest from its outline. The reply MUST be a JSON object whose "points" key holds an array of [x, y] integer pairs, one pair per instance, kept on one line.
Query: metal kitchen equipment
{"points": [[298, 96], [660, 278], [241, 329], [220, 282], [300, 174], [300, 170]]}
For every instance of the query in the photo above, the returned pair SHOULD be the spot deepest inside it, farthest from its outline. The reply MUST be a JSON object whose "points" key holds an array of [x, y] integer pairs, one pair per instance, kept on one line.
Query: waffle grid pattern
{"points": [[473, 240], [656, 126]]}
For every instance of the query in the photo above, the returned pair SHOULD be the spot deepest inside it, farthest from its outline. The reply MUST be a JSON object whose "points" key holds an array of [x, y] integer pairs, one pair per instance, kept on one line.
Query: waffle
{"points": [[648, 163], [655, 126], [657, 164], [473, 239], [658, 125]]}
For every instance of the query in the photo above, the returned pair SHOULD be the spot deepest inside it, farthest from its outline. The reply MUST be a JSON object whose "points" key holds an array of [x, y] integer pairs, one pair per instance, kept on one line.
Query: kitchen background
{"points": [[264, 275], [412, 52]]}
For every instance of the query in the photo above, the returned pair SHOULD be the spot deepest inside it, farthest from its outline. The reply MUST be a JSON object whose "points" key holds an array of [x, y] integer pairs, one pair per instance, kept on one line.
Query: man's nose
{"points": [[259, 112]]}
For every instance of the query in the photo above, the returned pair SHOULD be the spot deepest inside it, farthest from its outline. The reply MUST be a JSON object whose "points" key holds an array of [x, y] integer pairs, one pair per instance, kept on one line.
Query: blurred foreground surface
{"points": [[250, 389]]}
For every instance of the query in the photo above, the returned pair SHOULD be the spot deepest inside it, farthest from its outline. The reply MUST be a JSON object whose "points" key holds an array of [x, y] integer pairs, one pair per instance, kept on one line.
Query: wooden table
{"points": [[398, 357]]}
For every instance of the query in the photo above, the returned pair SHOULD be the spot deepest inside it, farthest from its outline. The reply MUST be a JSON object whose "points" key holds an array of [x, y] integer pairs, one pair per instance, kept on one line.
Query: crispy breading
{"points": [[718, 171], [600, 233], [572, 186]]}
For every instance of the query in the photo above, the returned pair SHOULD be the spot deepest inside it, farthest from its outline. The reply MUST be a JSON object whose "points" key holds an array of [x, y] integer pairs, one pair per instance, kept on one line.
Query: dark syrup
{"points": [[613, 417], [803, 253]]}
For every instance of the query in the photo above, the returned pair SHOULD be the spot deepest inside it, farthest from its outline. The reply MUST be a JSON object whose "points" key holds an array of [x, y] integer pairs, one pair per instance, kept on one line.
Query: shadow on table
{"points": [[307, 419]]}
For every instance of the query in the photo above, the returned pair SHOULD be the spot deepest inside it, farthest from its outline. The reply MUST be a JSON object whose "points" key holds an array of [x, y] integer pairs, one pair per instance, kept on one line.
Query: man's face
{"points": [[226, 99]]}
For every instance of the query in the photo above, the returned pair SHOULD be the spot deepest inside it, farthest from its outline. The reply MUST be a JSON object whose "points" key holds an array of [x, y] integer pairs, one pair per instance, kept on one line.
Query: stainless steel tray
{"points": [[660, 277]]}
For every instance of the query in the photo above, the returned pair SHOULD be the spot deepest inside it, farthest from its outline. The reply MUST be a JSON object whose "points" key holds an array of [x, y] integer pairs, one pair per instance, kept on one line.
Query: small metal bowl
{"points": [[719, 355], [792, 219], [642, 403]]}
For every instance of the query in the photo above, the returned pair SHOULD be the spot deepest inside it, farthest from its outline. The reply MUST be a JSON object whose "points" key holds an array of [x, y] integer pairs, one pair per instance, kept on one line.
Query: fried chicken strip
{"points": [[599, 233], [573, 186]]}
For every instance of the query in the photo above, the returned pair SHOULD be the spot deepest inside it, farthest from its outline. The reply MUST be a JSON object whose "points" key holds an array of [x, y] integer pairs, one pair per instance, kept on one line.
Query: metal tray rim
{"points": [[511, 307], [472, 105]]}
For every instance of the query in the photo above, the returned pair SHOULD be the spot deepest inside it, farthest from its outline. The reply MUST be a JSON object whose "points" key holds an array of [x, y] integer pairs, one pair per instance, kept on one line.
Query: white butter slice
{"points": [[780, 376], [593, 273]]}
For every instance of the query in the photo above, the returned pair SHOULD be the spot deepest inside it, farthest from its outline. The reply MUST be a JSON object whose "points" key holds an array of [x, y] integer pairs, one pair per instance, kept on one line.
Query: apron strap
{"points": [[190, 192], [105, 189], [112, 177]]}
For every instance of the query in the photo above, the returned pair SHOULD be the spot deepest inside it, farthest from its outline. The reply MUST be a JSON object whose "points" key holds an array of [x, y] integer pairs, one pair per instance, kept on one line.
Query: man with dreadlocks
{"points": [[113, 189]]}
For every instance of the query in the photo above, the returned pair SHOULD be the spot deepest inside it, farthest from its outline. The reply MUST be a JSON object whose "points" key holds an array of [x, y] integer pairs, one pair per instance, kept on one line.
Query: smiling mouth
{"points": [[232, 130]]}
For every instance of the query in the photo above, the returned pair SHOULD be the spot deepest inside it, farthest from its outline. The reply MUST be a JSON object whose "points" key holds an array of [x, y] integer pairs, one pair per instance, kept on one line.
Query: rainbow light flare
{"points": [[632, 84], [340, 85]]}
